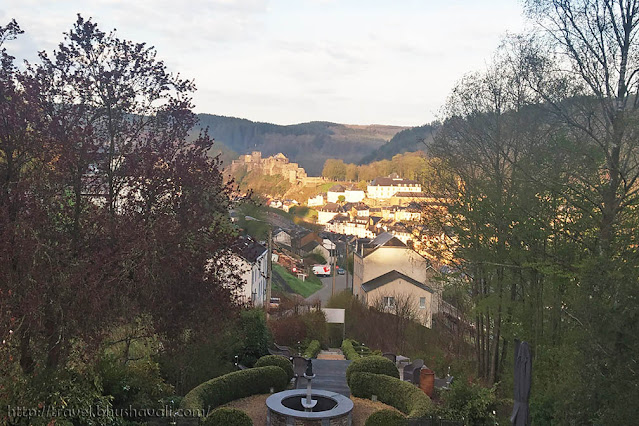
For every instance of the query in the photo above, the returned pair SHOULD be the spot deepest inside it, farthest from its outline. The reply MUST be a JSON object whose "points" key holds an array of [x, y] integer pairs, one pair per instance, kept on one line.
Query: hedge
{"points": [[348, 350], [386, 418], [372, 364], [278, 361], [238, 384], [404, 396], [313, 349], [227, 417]]}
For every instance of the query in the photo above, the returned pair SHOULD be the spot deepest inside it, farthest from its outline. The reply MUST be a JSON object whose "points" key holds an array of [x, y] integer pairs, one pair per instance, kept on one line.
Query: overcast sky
{"points": [[357, 62]]}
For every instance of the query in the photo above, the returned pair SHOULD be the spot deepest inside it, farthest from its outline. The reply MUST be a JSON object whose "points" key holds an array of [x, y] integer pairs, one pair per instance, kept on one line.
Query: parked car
{"points": [[341, 271]]}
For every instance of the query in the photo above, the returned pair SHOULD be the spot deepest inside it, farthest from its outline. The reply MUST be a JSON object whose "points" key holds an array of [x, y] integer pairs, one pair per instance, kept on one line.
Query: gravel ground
{"points": [[255, 407]]}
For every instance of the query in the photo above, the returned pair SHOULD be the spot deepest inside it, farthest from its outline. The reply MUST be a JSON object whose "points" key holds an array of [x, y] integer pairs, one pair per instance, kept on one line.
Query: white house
{"points": [[335, 191], [354, 194], [251, 260], [387, 187], [328, 212], [318, 200]]}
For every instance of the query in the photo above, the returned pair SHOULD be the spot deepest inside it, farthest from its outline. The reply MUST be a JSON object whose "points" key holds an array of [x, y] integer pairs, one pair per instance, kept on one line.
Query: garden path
{"points": [[330, 374]]}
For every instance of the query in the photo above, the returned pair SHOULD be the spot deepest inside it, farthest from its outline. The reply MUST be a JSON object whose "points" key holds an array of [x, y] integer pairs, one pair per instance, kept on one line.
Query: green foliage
{"points": [[279, 361], [372, 364], [315, 323], [348, 350], [404, 396], [318, 258], [313, 349], [386, 418], [238, 384], [471, 402], [226, 416], [334, 169], [406, 140], [304, 288], [255, 336], [136, 384]]}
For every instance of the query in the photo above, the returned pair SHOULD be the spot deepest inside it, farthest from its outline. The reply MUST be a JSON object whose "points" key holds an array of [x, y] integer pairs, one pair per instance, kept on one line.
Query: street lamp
{"points": [[269, 256]]}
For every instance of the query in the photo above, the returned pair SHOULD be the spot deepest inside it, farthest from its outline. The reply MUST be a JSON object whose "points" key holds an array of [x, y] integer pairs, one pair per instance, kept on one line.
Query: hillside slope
{"points": [[308, 144], [408, 140]]}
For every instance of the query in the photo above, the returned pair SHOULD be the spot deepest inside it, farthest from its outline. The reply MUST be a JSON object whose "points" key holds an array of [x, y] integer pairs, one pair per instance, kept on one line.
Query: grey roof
{"points": [[332, 207], [389, 181], [249, 249], [336, 188], [310, 246], [410, 194], [386, 239], [390, 277]]}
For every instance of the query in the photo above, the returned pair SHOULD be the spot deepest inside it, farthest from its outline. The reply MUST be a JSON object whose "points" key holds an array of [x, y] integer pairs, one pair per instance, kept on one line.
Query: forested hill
{"points": [[308, 144], [408, 140]]}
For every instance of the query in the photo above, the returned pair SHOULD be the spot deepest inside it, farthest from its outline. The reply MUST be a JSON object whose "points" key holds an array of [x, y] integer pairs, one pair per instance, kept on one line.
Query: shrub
{"points": [[227, 417], [238, 384], [471, 402], [288, 330], [313, 349], [386, 418], [348, 350], [372, 364], [256, 334], [315, 323], [404, 396], [278, 361]]}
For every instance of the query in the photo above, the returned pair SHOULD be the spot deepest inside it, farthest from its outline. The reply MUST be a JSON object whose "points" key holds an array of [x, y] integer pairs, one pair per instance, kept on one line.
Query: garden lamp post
{"points": [[269, 257]]}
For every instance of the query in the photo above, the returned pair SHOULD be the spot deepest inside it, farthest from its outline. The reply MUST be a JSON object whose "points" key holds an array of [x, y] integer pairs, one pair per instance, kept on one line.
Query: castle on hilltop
{"points": [[275, 165]]}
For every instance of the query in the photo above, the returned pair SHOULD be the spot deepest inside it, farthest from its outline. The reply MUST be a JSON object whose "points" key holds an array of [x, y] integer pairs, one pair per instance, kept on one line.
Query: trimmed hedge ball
{"points": [[278, 361], [386, 418], [372, 364], [227, 417]]}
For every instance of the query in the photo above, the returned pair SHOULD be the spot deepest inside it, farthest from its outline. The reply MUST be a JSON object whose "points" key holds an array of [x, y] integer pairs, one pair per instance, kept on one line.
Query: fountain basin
{"points": [[285, 409]]}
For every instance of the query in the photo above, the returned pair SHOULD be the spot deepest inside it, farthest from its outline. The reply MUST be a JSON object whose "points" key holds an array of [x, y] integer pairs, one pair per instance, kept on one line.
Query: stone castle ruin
{"points": [[276, 165]]}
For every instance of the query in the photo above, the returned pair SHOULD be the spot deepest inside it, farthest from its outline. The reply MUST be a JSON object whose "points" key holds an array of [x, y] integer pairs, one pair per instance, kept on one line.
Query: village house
{"points": [[335, 191], [318, 200], [328, 212], [353, 194], [251, 260], [385, 187], [387, 272]]}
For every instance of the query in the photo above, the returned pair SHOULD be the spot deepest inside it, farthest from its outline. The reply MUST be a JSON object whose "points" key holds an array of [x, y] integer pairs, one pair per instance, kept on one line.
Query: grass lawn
{"points": [[303, 288]]}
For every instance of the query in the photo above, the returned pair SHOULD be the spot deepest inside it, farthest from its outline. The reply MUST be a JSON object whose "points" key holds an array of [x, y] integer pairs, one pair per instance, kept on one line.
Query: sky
{"points": [[293, 61]]}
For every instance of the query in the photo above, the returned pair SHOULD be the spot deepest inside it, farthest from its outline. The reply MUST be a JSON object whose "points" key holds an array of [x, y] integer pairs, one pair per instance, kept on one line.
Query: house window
{"points": [[422, 302], [389, 302]]}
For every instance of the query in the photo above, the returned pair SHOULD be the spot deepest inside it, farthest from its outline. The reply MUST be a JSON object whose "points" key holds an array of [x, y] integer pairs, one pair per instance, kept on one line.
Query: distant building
{"points": [[275, 165], [354, 194], [318, 200], [335, 191], [386, 187], [328, 212]]}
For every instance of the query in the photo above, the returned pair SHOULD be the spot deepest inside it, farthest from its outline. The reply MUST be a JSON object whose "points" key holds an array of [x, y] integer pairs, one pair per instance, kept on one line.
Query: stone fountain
{"points": [[308, 407]]}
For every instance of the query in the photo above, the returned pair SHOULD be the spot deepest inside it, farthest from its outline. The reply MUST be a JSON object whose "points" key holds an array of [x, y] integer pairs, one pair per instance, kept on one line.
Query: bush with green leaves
{"points": [[404, 396], [472, 402], [255, 335], [238, 384], [278, 361], [313, 349], [372, 364], [348, 350], [227, 417], [386, 418]]}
